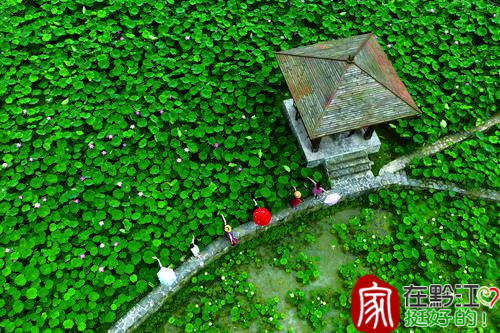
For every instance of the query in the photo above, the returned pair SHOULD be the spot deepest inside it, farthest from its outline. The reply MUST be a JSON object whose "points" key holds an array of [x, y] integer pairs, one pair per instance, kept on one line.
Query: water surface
{"points": [[271, 281]]}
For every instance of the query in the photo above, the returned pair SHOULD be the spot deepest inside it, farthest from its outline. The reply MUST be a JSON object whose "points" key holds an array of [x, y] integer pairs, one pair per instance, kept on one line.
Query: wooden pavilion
{"points": [[342, 85]]}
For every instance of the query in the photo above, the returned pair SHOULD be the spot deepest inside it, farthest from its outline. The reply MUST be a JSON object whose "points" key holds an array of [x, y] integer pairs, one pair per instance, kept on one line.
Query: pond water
{"points": [[271, 281]]}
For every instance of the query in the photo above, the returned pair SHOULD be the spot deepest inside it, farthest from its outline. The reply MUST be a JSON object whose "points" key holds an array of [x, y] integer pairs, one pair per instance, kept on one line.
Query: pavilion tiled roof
{"points": [[344, 84]]}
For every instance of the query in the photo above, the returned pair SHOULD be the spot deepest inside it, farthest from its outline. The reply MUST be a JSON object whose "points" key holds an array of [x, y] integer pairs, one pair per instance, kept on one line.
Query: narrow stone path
{"points": [[353, 187], [348, 187], [401, 162], [155, 299]]}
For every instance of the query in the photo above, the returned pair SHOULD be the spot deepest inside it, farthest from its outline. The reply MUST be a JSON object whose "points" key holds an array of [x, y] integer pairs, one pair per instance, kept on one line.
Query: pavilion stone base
{"points": [[342, 156]]}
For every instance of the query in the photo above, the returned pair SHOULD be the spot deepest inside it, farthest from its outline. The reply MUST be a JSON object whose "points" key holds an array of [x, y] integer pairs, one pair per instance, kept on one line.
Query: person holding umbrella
{"points": [[227, 228], [195, 250], [296, 200], [317, 189]]}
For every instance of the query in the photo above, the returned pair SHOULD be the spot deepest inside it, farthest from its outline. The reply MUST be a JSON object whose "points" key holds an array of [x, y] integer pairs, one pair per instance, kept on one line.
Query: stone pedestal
{"points": [[342, 156]]}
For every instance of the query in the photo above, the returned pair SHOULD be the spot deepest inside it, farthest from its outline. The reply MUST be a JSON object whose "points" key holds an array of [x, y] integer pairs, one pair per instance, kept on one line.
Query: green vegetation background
{"points": [[82, 86]]}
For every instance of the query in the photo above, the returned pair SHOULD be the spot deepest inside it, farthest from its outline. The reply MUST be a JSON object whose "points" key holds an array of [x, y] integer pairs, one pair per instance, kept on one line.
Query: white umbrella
{"points": [[332, 199], [166, 275]]}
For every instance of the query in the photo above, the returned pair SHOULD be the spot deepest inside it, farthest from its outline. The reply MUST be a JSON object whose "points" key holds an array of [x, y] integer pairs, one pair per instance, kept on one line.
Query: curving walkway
{"points": [[348, 187], [401, 162], [358, 186]]}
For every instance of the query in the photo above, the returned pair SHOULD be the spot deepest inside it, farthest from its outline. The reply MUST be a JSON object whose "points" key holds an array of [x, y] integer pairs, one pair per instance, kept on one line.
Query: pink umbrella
{"points": [[332, 199]]}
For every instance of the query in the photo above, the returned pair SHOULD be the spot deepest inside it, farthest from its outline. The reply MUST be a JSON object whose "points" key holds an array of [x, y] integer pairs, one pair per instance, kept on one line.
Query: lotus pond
{"points": [[299, 277], [126, 125]]}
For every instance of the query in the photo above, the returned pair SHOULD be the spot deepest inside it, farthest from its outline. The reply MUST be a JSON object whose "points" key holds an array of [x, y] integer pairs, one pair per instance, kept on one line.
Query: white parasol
{"points": [[332, 199]]}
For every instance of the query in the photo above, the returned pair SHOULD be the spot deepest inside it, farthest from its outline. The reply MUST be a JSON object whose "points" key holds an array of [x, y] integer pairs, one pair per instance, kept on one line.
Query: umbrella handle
{"points": [[158, 261], [224, 219]]}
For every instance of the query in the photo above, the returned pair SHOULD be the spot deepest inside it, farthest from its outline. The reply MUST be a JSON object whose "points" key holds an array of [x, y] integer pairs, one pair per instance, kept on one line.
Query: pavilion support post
{"points": [[368, 133], [297, 115], [315, 144]]}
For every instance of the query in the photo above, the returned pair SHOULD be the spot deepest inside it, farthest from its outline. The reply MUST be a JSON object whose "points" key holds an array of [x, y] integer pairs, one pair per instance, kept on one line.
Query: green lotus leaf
{"points": [[43, 211], [68, 324], [31, 293], [17, 306], [20, 280]]}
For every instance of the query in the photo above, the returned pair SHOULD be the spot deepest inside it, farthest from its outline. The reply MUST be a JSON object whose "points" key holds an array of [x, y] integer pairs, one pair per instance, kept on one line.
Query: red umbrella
{"points": [[261, 216]]}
